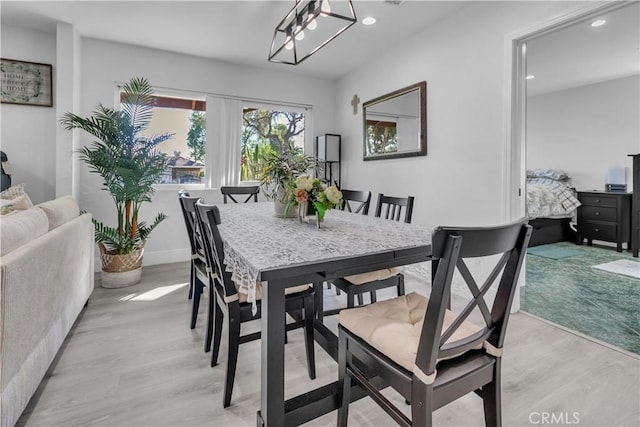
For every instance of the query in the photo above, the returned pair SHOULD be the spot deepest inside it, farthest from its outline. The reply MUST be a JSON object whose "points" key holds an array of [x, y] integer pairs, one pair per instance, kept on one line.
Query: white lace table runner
{"points": [[255, 240]]}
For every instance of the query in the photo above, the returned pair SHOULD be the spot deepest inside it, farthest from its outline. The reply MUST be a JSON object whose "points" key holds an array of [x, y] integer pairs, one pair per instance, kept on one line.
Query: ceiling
{"points": [[240, 32], [237, 31], [579, 54]]}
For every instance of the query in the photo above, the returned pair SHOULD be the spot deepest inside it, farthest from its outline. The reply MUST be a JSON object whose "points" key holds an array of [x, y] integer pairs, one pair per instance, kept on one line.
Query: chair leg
{"points": [[350, 300], [319, 300], [308, 335], [344, 382], [491, 397], [217, 332], [209, 336], [373, 296], [232, 359], [421, 404], [360, 299], [400, 284], [197, 292], [191, 280]]}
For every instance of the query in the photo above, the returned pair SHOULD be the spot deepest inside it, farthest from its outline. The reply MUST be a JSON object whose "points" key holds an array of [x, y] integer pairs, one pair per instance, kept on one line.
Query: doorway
{"points": [[572, 113]]}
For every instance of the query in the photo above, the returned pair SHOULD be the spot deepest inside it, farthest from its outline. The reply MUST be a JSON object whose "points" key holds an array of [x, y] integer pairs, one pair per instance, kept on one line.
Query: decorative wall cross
{"points": [[354, 102]]}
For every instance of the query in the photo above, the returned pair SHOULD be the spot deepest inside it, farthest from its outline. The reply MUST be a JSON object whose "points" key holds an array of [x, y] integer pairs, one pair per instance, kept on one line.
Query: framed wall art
{"points": [[26, 83]]}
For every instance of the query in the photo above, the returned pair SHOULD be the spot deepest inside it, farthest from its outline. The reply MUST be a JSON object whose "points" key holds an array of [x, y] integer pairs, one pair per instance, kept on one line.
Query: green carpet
{"points": [[553, 251], [571, 293]]}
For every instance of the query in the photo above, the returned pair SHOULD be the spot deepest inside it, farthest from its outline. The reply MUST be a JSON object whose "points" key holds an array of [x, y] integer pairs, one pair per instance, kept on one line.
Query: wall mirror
{"points": [[395, 124]]}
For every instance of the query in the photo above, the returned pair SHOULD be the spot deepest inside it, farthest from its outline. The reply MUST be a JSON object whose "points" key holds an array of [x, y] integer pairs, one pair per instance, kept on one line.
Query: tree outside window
{"points": [[268, 131]]}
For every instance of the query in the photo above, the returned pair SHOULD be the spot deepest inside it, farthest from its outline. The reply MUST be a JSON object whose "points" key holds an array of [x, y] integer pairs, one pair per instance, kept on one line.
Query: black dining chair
{"points": [[250, 192], [428, 354], [198, 274], [356, 201], [226, 302], [390, 208]]}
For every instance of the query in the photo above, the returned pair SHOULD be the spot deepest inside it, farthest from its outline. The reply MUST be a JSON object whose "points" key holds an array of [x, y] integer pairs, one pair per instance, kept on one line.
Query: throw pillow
{"points": [[18, 204], [14, 192]]}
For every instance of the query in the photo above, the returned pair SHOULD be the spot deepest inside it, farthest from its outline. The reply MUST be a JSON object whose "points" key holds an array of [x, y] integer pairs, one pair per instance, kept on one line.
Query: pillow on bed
{"points": [[548, 173]]}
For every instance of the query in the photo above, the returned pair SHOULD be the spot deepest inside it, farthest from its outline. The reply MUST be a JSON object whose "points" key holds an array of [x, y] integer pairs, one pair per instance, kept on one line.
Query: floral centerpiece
{"points": [[313, 196]]}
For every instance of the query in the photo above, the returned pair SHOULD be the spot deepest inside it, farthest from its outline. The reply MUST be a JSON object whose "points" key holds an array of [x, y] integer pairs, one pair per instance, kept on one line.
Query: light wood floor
{"points": [[135, 362]]}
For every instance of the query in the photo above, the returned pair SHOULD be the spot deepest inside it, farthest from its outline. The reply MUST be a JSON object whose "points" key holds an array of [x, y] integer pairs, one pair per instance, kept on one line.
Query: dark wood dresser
{"points": [[635, 205], [604, 216]]}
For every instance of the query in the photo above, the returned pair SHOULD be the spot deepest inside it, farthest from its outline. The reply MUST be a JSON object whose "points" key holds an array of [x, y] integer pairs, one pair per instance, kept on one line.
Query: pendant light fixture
{"points": [[309, 26]]}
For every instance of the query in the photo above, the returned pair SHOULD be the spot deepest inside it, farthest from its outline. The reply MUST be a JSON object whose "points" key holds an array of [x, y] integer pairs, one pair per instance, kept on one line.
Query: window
{"points": [[268, 130], [185, 118]]}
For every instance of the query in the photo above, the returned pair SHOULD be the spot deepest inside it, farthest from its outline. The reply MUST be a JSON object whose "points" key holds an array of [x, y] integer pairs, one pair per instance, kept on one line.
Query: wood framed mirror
{"points": [[395, 124]]}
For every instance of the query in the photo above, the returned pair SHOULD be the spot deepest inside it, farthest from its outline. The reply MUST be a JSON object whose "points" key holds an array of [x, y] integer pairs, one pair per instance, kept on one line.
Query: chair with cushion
{"points": [[250, 192], [356, 202], [356, 285], [428, 354], [226, 302], [199, 276]]}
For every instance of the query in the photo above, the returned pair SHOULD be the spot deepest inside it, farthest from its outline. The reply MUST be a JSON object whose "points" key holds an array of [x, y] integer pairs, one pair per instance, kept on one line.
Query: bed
{"points": [[551, 206]]}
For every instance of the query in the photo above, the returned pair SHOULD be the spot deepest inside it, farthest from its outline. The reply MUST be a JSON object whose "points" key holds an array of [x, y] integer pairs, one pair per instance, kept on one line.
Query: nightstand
{"points": [[604, 216]]}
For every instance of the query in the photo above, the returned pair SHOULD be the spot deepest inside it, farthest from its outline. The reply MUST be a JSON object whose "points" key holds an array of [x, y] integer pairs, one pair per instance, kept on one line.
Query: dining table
{"points": [[283, 252]]}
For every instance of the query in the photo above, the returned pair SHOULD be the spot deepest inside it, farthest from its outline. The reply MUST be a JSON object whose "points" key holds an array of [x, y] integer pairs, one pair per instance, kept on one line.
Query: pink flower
{"points": [[301, 195]]}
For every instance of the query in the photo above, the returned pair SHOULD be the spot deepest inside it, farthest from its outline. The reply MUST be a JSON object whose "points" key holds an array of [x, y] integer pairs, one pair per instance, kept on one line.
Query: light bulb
{"points": [[300, 35], [289, 45], [325, 9], [312, 24]]}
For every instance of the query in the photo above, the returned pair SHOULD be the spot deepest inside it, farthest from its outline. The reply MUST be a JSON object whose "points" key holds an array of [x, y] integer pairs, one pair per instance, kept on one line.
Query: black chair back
{"points": [[356, 201], [509, 242], [249, 191], [208, 219], [188, 206], [393, 207]]}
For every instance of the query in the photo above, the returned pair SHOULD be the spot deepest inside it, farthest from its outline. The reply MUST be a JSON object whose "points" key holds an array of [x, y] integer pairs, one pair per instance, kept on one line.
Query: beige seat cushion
{"points": [[287, 291], [359, 279], [393, 326]]}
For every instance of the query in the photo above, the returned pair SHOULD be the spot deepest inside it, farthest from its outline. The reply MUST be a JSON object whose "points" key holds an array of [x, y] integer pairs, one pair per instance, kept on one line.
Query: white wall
{"points": [[460, 180], [28, 135], [105, 63], [585, 130]]}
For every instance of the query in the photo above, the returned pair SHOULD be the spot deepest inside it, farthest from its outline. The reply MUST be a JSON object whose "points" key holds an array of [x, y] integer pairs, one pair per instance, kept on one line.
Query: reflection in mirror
{"points": [[395, 124]]}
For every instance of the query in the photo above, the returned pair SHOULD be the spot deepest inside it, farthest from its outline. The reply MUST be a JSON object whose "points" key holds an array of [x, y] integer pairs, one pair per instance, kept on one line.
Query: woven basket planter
{"points": [[119, 271]]}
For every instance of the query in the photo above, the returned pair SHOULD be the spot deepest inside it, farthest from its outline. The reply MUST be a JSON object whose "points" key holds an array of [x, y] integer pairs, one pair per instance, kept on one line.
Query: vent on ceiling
{"points": [[395, 2]]}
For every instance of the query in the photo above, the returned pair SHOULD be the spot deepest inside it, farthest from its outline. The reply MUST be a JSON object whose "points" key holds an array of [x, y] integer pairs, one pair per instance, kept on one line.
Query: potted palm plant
{"points": [[129, 163]]}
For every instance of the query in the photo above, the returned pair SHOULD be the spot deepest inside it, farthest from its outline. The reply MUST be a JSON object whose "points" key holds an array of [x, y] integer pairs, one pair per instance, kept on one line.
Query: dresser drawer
{"points": [[597, 200], [597, 213], [598, 231]]}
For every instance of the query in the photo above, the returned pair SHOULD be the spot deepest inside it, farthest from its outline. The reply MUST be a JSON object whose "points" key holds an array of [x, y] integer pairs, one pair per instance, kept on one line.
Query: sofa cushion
{"points": [[21, 228], [60, 210]]}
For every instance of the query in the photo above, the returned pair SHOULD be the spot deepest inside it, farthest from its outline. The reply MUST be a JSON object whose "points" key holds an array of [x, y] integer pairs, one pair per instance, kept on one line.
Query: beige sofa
{"points": [[46, 277]]}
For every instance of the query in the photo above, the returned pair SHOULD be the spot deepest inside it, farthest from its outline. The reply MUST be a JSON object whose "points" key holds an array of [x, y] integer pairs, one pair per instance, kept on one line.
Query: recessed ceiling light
{"points": [[369, 20], [598, 23], [530, 76]]}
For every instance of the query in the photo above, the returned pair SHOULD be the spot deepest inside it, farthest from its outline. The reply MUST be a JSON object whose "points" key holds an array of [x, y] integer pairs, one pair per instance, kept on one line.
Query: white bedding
{"points": [[549, 198]]}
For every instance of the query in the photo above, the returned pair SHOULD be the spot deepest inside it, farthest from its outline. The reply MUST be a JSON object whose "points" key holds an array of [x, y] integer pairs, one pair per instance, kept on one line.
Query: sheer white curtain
{"points": [[224, 127]]}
